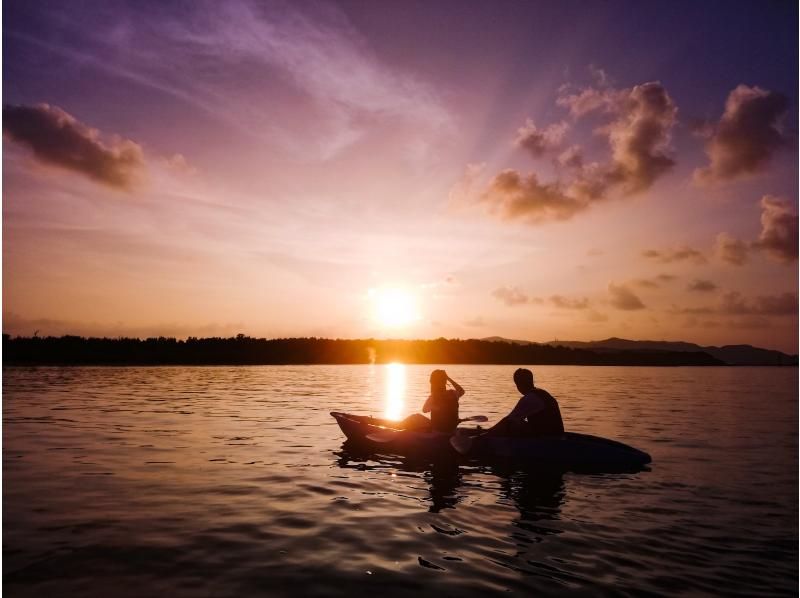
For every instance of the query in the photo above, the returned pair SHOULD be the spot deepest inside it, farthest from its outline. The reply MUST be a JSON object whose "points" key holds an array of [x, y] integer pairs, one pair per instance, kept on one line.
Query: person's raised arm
{"points": [[459, 390]]}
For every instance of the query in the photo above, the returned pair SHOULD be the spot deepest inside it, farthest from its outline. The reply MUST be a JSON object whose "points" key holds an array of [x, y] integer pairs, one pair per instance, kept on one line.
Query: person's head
{"points": [[438, 380], [524, 380]]}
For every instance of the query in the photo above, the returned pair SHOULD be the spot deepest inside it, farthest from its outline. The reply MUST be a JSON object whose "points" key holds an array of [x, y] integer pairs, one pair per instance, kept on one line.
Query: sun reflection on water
{"points": [[395, 390]]}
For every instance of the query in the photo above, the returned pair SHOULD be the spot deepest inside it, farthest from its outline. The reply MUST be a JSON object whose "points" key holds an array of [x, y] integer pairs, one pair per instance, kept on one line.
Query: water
{"points": [[232, 481]]}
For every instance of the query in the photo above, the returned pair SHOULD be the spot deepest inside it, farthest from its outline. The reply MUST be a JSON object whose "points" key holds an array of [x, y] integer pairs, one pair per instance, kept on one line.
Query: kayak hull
{"points": [[569, 450]]}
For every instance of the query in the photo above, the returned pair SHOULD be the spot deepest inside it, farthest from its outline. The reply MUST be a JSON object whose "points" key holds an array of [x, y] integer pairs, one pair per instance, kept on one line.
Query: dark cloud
{"points": [[702, 286], [747, 135], [732, 250], [678, 254], [778, 229], [58, 139], [511, 296], [540, 141], [623, 298], [514, 197], [567, 303], [763, 305], [734, 303]]}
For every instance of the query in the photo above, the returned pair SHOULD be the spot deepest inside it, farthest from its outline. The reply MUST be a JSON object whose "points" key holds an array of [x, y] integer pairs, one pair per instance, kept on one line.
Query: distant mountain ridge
{"points": [[729, 354]]}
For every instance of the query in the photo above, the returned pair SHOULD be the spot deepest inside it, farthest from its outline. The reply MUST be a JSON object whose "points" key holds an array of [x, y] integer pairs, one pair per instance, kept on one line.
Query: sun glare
{"points": [[395, 390], [394, 307]]}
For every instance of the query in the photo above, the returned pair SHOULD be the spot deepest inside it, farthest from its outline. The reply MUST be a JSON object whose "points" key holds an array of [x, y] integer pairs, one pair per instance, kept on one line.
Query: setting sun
{"points": [[394, 307]]}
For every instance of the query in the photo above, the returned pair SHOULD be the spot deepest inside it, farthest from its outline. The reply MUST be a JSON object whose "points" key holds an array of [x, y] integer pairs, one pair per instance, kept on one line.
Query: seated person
{"points": [[443, 402], [535, 414]]}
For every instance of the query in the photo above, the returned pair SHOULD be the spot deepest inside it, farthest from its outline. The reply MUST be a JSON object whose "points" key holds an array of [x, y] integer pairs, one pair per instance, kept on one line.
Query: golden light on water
{"points": [[394, 307], [395, 390]]}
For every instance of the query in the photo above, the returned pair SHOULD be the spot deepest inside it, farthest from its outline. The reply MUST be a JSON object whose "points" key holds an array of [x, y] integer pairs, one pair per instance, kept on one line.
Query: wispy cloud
{"points": [[200, 56], [677, 254], [511, 296]]}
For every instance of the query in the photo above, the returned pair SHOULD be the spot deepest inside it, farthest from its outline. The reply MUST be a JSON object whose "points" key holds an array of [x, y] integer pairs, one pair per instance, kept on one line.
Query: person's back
{"points": [[535, 414], [443, 403], [546, 420]]}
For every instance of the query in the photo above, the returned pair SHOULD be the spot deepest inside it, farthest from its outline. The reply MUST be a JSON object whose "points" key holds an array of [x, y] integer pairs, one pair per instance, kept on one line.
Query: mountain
{"points": [[728, 354]]}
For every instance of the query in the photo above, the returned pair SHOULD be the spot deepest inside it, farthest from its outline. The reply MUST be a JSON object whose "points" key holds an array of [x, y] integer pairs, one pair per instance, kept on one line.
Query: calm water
{"points": [[234, 482]]}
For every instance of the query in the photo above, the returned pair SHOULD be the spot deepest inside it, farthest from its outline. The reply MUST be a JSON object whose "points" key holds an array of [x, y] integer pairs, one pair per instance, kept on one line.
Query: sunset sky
{"points": [[533, 170]]}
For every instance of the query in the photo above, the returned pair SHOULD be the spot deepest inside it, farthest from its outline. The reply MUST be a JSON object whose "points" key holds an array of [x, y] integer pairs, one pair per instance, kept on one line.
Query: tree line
{"points": [[245, 350]]}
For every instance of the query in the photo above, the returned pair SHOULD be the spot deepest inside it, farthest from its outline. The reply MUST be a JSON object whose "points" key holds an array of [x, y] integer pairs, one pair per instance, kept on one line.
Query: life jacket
{"points": [[444, 412], [546, 422]]}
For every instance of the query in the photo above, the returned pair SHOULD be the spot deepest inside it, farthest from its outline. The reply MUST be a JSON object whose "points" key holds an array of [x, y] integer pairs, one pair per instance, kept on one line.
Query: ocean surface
{"points": [[233, 481]]}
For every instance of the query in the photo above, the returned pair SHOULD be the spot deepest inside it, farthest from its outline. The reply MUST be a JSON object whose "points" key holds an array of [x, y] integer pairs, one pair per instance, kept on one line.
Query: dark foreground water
{"points": [[234, 482]]}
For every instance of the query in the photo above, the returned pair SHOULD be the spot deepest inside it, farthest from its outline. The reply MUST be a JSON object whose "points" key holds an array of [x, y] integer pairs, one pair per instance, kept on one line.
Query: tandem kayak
{"points": [[569, 450]]}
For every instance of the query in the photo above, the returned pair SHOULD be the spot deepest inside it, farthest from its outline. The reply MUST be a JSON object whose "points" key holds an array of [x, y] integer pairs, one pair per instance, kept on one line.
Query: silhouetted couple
{"points": [[535, 414]]}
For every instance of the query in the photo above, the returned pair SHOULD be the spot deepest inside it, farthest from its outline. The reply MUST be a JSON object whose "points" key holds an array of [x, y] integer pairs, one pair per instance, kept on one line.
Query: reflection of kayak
{"points": [[569, 450]]}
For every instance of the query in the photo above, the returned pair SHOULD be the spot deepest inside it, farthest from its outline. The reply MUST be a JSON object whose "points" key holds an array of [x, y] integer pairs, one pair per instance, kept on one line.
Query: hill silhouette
{"points": [[728, 354], [245, 350]]}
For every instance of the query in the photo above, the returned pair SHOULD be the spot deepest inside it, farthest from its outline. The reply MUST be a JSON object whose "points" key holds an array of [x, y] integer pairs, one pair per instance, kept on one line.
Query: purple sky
{"points": [[533, 170]]}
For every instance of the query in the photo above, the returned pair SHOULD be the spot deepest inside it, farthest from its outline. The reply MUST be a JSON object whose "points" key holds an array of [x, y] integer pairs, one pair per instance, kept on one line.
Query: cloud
{"points": [[746, 137], [702, 286], [678, 254], [511, 296], [514, 197], [476, 322], [666, 277], [778, 229], [732, 250], [596, 316], [572, 157], [640, 136], [623, 298], [640, 120], [764, 305], [59, 139], [567, 303], [540, 141], [734, 303]]}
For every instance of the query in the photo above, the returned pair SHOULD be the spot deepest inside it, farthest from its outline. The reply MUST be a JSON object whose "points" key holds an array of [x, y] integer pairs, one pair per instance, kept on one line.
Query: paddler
{"points": [[535, 414], [442, 403]]}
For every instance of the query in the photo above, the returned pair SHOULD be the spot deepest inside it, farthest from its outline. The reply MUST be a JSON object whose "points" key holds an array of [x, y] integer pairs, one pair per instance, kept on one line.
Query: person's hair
{"points": [[523, 378], [438, 379]]}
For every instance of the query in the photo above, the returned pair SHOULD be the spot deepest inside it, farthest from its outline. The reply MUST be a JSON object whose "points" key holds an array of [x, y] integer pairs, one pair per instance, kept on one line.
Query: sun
{"points": [[394, 307]]}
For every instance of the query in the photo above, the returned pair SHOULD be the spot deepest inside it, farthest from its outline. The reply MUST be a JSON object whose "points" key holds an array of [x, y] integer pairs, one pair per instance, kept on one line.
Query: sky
{"points": [[532, 170]]}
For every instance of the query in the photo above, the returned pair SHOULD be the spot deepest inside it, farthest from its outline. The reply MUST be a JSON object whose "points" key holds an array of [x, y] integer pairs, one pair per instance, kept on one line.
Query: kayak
{"points": [[569, 450]]}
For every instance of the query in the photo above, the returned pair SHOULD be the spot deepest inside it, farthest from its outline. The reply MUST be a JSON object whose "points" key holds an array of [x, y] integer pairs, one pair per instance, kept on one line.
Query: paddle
{"points": [[390, 435]]}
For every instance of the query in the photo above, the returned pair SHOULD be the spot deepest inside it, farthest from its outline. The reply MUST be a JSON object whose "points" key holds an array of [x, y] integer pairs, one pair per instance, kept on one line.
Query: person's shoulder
{"points": [[544, 393]]}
